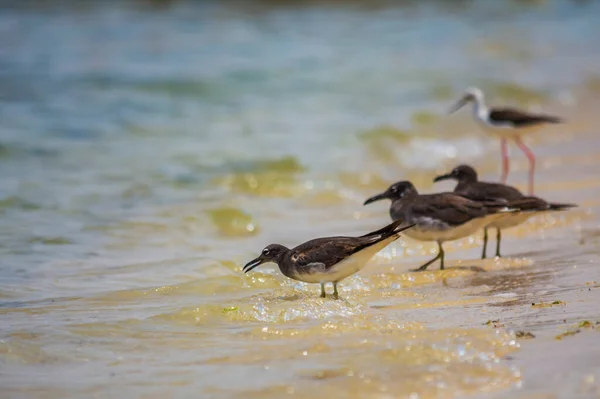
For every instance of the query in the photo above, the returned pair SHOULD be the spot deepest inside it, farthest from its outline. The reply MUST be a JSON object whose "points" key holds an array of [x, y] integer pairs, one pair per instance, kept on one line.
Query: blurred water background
{"points": [[148, 149]]}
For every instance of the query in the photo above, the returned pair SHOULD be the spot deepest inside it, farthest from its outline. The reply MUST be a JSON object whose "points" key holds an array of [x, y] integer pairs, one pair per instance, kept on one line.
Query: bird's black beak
{"points": [[459, 104], [376, 198], [443, 177], [252, 264]]}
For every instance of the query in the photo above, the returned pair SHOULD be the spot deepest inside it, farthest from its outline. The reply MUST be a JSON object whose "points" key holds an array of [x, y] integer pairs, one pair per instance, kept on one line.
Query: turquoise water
{"points": [[146, 147]]}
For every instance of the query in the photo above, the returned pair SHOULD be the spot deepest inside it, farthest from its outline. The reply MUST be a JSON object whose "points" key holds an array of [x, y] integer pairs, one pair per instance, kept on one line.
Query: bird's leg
{"points": [[441, 256], [485, 240], [438, 256], [498, 238], [424, 267], [504, 149], [322, 290], [531, 157], [335, 291]]}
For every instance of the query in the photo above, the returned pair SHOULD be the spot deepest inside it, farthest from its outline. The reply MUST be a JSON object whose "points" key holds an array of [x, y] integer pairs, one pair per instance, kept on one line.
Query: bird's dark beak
{"points": [[459, 104], [376, 198], [443, 177], [252, 264]]}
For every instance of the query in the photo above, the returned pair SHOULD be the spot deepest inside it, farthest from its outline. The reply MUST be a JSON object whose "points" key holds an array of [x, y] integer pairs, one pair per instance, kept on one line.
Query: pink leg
{"points": [[531, 157], [504, 146]]}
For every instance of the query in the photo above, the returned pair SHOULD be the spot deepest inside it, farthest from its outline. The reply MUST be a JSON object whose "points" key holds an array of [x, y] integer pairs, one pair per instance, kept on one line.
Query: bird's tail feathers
{"points": [[550, 119], [533, 204], [529, 204], [500, 207], [393, 228], [561, 207]]}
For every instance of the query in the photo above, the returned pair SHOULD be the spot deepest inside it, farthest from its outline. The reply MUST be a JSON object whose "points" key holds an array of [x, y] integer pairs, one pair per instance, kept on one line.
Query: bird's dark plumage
{"points": [[479, 191], [519, 118], [332, 250], [448, 208]]}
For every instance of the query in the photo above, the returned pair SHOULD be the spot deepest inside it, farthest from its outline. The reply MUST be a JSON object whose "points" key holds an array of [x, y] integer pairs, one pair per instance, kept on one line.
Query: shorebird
{"points": [[328, 259], [506, 123], [439, 217], [469, 186]]}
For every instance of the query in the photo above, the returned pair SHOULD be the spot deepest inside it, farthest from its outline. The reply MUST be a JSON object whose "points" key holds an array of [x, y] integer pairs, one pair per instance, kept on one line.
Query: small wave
{"points": [[21, 351], [50, 240], [15, 202], [233, 222], [271, 178]]}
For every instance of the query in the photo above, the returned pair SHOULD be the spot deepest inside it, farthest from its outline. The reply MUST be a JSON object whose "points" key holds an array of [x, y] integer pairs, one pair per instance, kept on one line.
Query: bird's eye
{"points": [[266, 251], [394, 189]]}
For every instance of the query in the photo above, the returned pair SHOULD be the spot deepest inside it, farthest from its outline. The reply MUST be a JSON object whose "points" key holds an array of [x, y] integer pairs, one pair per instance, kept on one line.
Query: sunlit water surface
{"points": [[146, 154]]}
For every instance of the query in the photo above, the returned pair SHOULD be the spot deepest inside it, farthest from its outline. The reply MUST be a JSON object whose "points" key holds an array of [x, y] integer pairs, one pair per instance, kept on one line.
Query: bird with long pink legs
{"points": [[508, 124]]}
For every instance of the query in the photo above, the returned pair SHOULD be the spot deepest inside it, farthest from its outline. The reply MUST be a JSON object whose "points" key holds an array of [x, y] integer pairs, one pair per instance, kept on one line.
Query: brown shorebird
{"points": [[469, 186], [506, 123], [328, 259], [439, 217]]}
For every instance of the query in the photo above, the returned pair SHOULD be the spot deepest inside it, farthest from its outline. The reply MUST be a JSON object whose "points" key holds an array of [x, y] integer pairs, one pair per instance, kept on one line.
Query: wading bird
{"points": [[508, 124], [328, 259], [439, 217], [469, 186]]}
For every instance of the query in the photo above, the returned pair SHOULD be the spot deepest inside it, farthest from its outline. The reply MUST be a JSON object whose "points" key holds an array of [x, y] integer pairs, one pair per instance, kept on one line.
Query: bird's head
{"points": [[462, 173], [394, 192], [472, 94], [271, 253]]}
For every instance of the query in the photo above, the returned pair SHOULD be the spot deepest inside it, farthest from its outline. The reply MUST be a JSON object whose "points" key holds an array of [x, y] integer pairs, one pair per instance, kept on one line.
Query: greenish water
{"points": [[145, 153]]}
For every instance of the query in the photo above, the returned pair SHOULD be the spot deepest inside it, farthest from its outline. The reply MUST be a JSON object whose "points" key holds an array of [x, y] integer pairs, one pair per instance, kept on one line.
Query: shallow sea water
{"points": [[148, 152]]}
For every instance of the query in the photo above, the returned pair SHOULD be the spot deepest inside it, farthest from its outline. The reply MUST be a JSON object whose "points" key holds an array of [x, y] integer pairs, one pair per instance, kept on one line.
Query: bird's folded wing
{"points": [[529, 204], [520, 118], [481, 191], [447, 208], [328, 251]]}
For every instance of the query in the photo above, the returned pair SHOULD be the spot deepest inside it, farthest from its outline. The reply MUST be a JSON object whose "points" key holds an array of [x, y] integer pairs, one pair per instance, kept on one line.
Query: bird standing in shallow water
{"points": [[469, 186], [438, 217], [328, 259], [507, 123]]}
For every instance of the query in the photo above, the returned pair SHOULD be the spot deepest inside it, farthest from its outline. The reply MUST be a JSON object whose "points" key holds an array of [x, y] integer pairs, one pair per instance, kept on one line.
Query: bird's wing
{"points": [[529, 204], [328, 251], [448, 208], [483, 191], [519, 118]]}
